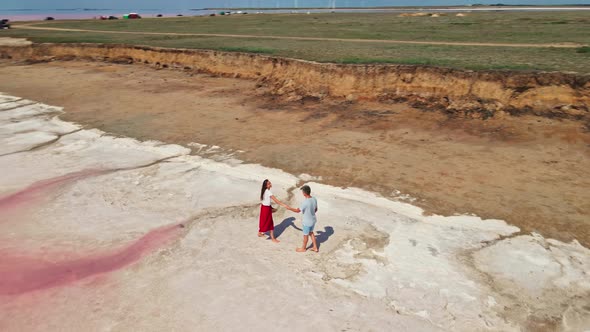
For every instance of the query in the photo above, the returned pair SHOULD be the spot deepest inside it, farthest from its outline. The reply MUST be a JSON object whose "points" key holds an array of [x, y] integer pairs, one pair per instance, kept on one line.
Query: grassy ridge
{"points": [[504, 27]]}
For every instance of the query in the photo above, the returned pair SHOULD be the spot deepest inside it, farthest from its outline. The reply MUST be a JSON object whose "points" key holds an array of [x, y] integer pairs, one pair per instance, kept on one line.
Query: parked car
{"points": [[4, 24], [49, 18], [132, 16], [113, 17]]}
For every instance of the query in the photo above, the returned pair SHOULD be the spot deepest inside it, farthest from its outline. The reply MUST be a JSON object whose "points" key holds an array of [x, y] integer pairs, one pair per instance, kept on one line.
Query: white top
{"points": [[266, 197]]}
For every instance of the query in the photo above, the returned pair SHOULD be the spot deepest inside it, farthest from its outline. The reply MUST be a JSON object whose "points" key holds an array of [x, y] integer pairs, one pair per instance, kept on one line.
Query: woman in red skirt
{"points": [[266, 222]]}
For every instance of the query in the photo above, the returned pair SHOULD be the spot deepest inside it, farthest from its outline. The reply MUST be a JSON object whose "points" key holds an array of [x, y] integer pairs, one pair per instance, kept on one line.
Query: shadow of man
{"points": [[280, 228], [323, 236]]}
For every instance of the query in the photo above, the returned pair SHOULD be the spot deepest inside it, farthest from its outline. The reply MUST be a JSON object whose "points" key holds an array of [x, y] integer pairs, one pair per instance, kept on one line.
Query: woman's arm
{"points": [[276, 200]]}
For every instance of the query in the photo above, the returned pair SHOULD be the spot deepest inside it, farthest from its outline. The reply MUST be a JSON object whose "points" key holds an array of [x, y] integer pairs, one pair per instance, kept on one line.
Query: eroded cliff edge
{"points": [[458, 92]]}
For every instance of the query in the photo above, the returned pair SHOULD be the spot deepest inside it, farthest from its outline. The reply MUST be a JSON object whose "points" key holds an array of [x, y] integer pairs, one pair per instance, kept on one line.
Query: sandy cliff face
{"points": [[462, 92]]}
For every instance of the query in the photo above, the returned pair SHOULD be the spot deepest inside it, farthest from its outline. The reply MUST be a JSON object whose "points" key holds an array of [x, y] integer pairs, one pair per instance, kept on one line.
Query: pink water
{"points": [[41, 189], [21, 274]]}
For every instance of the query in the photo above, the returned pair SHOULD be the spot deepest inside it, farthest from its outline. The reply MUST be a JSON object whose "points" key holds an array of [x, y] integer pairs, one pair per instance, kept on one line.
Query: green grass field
{"points": [[484, 27]]}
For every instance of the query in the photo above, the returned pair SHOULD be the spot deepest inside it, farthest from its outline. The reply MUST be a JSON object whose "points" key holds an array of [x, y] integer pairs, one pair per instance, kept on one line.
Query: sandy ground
{"points": [[105, 233], [532, 172]]}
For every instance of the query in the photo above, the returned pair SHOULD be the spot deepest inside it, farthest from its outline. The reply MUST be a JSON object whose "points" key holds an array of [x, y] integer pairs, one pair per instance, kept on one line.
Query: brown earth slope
{"points": [[458, 92]]}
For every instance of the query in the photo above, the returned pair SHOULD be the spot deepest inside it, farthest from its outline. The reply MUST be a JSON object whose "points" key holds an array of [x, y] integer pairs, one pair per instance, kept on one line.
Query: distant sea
{"points": [[83, 13], [79, 13]]}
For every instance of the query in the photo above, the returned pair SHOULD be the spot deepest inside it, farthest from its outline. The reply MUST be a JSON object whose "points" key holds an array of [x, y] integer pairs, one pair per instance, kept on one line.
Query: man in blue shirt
{"points": [[308, 208]]}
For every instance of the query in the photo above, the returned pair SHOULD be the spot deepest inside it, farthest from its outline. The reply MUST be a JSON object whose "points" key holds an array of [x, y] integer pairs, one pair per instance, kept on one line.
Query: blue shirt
{"points": [[308, 208]]}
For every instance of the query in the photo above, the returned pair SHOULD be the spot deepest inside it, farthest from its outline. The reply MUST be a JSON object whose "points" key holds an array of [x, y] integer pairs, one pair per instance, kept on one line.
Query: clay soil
{"points": [[533, 172]]}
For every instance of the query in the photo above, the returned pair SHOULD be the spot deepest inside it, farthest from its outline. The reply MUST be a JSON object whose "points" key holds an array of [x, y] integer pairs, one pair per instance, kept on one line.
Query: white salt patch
{"points": [[307, 178], [6, 99], [534, 265], [386, 251], [31, 132], [53, 125], [491, 301], [11, 104], [27, 111], [212, 149], [281, 180], [24, 141], [82, 150], [424, 314], [198, 147]]}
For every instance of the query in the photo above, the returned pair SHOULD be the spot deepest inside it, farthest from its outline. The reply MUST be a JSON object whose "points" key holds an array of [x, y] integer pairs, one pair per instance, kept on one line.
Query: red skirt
{"points": [[266, 222]]}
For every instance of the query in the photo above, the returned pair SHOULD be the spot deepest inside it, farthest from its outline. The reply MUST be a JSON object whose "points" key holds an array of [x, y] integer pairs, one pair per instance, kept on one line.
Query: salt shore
{"points": [[108, 233]]}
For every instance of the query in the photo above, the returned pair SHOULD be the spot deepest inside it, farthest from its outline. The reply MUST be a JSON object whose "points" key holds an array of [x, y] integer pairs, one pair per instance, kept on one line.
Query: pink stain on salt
{"points": [[19, 275], [40, 189]]}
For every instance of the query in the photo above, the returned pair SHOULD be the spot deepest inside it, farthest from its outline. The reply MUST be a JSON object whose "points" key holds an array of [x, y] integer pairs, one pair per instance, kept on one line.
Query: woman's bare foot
{"points": [[301, 250], [260, 234], [315, 249], [275, 240]]}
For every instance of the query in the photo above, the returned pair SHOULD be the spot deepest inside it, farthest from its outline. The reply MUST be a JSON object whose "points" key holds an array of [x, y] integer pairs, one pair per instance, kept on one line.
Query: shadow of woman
{"points": [[280, 228], [323, 236]]}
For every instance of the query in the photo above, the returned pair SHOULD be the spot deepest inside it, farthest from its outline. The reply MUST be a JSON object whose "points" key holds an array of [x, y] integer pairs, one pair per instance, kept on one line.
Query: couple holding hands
{"points": [[308, 209]]}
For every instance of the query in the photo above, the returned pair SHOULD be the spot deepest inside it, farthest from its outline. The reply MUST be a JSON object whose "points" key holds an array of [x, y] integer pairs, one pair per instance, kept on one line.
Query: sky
{"points": [[189, 4]]}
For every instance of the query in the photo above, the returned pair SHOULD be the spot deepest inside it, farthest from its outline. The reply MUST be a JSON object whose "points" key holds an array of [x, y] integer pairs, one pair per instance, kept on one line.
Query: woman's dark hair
{"points": [[263, 189]]}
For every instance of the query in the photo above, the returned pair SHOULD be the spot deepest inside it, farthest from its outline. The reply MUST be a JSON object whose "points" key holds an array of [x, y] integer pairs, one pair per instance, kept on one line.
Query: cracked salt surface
{"points": [[382, 265]]}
